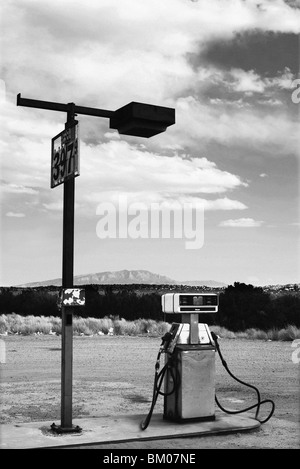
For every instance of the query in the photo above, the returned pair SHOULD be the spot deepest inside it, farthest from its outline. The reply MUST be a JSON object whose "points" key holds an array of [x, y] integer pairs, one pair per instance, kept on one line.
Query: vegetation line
{"points": [[28, 325]]}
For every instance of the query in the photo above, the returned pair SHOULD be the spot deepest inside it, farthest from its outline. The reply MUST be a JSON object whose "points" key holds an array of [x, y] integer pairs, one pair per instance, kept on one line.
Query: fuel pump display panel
{"points": [[197, 300], [193, 301], [190, 303]]}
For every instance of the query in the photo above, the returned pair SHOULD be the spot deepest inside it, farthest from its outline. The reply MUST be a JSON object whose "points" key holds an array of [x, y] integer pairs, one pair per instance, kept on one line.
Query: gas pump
{"points": [[189, 370], [190, 357]]}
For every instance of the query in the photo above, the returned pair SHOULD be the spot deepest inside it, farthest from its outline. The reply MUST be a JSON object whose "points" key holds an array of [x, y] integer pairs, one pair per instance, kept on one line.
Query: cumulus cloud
{"points": [[241, 223], [68, 50], [15, 214], [118, 165], [197, 121], [113, 52], [250, 81], [169, 200], [246, 81]]}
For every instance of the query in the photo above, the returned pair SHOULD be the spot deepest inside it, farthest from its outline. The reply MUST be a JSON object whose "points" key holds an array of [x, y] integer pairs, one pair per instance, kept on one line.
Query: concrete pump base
{"points": [[121, 428]]}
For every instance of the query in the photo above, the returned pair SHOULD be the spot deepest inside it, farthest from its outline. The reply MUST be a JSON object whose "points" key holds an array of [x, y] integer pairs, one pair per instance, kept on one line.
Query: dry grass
{"points": [[26, 325], [290, 333]]}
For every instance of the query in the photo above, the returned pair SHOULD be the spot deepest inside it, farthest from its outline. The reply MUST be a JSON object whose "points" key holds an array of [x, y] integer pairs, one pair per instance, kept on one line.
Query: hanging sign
{"points": [[65, 156]]}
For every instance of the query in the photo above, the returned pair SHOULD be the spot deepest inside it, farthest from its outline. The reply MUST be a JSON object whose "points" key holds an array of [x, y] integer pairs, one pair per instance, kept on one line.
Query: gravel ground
{"points": [[113, 375]]}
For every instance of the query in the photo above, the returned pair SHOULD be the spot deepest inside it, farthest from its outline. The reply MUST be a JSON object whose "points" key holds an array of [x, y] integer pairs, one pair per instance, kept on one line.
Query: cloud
{"points": [[234, 86], [112, 135], [58, 206], [270, 102], [54, 206], [245, 81], [200, 122], [120, 166], [250, 81], [15, 215], [12, 188], [69, 50], [172, 200], [241, 223], [224, 204]]}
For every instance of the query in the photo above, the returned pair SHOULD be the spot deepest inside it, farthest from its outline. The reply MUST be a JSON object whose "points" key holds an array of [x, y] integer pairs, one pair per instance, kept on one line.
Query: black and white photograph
{"points": [[149, 229]]}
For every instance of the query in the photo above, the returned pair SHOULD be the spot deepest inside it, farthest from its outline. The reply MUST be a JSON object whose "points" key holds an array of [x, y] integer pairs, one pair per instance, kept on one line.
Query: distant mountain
{"points": [[123, 277]]}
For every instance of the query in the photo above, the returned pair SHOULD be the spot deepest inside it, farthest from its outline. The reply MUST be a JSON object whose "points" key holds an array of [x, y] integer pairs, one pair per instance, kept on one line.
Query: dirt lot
{"points": [[114, 375]]}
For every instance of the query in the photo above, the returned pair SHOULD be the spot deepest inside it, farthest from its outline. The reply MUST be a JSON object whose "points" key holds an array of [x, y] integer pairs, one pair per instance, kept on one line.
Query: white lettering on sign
{"points": [[65, 156]]}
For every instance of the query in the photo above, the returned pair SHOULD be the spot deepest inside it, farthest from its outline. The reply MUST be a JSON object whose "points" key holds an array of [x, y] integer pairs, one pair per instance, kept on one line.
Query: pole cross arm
{"points": [[51, 106], [136, 119]]}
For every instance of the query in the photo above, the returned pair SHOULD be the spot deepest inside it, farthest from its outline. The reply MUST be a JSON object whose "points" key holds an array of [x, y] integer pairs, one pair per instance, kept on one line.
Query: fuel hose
{"points": [[158, 380], [259, 401]]}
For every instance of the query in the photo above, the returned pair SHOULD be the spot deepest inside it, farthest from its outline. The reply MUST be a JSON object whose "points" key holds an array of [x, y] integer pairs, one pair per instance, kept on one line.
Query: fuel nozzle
{"points": [[214, 336], [167, 337]]}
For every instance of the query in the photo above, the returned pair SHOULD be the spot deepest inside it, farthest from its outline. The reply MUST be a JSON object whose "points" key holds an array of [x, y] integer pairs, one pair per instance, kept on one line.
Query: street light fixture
{"points": [[136, 119], [142, 120]]}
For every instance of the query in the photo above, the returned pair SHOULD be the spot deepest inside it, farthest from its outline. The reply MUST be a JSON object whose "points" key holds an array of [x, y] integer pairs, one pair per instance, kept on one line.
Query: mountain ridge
{"points": [[126, 277]]}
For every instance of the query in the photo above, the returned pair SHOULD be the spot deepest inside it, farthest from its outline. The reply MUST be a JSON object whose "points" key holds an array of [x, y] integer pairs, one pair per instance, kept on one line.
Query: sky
{"points": [[230, 69]]}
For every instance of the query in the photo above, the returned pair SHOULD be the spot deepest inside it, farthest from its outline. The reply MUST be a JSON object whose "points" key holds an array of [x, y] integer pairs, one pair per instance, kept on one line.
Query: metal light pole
{"points": [[136, 119], [67, 312]]}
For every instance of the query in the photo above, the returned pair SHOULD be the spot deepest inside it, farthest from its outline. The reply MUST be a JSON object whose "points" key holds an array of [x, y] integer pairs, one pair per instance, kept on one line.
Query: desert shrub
{"points": [[223, 332], [123, 327], [15, 323], [256, 334], [144, 325], [241, 335], [158, 328], [55, 324], [106, 324], [140, 327], [151, 327], [27, 325], [40, 324], [3, 324], [272, 334], [93, 325], [80, 326], [289, 333]]}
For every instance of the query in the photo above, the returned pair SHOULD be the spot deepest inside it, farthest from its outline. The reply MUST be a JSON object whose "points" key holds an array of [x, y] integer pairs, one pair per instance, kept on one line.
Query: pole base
{"points": [[59, 429]]}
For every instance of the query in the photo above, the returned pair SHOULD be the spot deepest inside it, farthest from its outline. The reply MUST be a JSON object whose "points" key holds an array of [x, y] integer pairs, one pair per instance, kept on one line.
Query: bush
{"points": [[80, 326], [272, 334], [55, 324], [106, 324], [3, 324], [15, 323], [256, 334], [123, 327], [223, 332], [290, 333], [26, 325]]}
